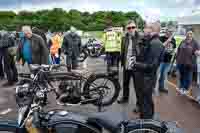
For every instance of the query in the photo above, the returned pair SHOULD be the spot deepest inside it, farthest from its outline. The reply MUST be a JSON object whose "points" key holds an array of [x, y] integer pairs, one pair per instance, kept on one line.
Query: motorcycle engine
{"points": [[23, 94], [69, 92]]}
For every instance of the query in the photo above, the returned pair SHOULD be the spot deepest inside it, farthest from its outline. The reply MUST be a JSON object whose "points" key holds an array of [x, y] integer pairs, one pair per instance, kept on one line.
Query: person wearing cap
{"points": [[32, 48], [186, 61], [170, 45], [112, 47]]}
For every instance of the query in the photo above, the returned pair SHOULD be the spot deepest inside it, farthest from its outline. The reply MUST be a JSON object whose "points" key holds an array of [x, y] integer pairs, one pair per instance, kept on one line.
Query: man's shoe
{"points": [[122, 101], [7, 84]]}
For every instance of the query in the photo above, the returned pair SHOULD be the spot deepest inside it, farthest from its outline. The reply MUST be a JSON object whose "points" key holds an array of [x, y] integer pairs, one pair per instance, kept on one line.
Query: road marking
{"points": [[189, 96], [4, 112]]}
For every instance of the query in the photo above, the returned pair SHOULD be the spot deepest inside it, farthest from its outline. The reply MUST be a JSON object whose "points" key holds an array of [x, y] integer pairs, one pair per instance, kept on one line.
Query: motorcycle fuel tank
{"points": [[63, 121]]}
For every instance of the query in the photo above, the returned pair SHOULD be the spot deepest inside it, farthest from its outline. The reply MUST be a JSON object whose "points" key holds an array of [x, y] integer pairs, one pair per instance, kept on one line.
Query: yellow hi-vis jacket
{"points": [[112, 42]]}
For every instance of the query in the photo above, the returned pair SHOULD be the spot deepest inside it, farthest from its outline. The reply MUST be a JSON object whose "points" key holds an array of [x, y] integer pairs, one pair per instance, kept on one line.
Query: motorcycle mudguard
{"points": [[156, 126], [63, 121]]}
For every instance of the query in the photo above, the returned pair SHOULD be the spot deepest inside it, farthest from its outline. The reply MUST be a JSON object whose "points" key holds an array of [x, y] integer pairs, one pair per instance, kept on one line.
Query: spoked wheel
{"points": [[102, 85]]}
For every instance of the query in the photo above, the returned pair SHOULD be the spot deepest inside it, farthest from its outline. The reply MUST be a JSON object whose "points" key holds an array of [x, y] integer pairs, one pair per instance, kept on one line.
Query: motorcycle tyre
{"points": [[115, 82]]}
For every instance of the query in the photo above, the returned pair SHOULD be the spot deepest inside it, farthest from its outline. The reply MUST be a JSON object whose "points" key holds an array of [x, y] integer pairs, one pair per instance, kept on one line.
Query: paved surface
{"points": [[169, 107]]}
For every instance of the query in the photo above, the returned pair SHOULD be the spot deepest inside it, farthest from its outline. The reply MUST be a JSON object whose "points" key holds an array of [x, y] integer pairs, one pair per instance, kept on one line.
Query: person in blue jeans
{"points": [[170, 45], [186, 57]]}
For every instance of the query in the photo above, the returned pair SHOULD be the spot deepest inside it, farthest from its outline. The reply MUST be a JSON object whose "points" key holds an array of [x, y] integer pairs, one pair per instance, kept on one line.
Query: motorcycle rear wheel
{"points": [[116, 88]]}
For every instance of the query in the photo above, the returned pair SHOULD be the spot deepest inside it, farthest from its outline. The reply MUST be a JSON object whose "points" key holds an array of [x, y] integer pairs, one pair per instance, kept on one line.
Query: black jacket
{"points": [[125, 44], [71, 44], [150, 56]]}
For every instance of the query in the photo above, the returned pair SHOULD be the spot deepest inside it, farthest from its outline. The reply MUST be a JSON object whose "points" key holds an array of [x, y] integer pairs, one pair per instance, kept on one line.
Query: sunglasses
{"points": [[132, 27]]}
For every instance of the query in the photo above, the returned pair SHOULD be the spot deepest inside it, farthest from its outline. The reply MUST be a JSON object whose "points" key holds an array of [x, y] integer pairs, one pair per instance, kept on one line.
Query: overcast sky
{"points": [[162, 8]]}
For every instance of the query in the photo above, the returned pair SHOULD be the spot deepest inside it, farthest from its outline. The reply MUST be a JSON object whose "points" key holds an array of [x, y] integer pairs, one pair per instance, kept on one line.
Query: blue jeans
{"points": [[185, 76], [55, 60], [164, 69]]}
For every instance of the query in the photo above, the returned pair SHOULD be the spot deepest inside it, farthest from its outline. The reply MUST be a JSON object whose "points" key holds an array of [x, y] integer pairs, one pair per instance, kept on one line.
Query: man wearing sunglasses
{"points": [[128, 51]]}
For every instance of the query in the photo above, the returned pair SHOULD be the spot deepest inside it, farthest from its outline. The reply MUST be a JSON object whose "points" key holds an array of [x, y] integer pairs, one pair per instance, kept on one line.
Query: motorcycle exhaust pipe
{"points": [[89, 101]]}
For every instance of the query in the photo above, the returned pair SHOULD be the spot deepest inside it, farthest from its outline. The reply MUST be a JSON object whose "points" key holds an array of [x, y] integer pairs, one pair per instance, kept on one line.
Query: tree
{"points": [[60, 20]]}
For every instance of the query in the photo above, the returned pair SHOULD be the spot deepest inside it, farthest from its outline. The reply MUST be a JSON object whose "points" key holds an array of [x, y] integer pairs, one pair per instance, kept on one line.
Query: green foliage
{"points": [[60, 20]]}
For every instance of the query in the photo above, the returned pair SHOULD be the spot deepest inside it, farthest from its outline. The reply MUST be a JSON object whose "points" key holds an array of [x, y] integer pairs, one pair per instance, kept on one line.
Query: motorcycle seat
{"points": [[108, 120]]}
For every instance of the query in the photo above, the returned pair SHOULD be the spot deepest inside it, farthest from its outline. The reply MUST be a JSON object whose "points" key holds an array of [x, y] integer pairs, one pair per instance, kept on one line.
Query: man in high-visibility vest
{"points": [[112, 47]]}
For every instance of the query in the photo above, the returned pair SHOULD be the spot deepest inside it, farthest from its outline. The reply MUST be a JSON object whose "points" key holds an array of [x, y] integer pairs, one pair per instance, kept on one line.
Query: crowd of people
{"points": [[149, 57], [141, 54]]}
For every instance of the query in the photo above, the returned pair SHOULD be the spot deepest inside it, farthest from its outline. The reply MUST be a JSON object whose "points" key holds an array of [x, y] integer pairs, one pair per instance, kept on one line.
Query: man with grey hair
{"points": [[32, 48]]}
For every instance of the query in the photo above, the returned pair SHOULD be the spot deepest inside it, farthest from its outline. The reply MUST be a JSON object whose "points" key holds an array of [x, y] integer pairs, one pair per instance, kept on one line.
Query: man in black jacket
{"points": [[145, 66], [129, 42]]}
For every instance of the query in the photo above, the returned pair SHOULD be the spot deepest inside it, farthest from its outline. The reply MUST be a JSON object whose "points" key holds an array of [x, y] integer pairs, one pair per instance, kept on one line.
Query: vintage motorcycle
{"points": [[33, 118], [75, 87]]}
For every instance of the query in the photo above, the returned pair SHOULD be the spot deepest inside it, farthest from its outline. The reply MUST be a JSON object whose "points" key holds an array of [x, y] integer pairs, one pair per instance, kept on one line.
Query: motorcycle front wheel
{"points": [[108, 85]]}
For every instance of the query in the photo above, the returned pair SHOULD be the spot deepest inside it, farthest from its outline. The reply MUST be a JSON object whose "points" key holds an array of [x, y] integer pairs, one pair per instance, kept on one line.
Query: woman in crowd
{"points": [[186, 61]]}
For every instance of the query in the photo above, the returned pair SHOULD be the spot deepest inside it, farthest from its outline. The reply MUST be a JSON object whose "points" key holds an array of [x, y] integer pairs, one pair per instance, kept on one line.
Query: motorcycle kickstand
{"points": [[100, 103]]}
